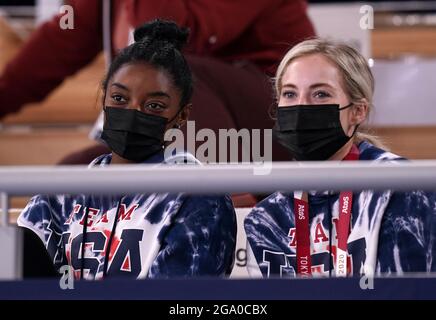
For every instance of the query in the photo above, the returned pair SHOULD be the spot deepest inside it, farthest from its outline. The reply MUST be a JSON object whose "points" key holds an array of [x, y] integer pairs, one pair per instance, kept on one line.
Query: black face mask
{"points": [[132, 134], [311, 132]]}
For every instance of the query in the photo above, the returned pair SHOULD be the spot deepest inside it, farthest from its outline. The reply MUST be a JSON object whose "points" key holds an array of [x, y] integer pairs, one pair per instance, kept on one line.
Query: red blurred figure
{"points": [[233, 45]]}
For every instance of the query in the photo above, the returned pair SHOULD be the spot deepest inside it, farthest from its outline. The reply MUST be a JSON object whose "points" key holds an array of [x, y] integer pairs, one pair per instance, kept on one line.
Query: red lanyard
{"points": [[301, 213]]}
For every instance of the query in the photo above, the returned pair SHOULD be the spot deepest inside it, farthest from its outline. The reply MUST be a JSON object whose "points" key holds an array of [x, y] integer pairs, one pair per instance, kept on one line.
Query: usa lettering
{"points": [[344, 263], [319, 236], [284, 265], [125, 257], [94, 217]]}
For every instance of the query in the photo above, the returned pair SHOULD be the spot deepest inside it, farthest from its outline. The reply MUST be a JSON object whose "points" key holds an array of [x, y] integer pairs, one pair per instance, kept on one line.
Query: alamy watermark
{"points": [[66, 22], [66, 282], [366, 282], [232, 146], [367, 20]]}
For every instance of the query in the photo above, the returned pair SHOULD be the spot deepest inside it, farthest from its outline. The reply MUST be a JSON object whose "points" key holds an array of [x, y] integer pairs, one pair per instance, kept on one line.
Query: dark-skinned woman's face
{"points": [[147, 89]]}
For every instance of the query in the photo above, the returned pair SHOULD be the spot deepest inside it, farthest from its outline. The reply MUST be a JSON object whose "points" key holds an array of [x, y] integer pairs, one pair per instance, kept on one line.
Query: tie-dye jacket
{"points": [[391, 232], [157, 235]]}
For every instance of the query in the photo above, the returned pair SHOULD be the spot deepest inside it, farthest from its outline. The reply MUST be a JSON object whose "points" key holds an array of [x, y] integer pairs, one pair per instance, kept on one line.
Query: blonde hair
{"points": [[357, 77]]}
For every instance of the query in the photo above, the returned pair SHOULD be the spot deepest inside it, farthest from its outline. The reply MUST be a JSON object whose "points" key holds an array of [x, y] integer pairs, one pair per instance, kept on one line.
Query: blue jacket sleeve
{"points": [[200, 242], [407, 241], [43, 216]]}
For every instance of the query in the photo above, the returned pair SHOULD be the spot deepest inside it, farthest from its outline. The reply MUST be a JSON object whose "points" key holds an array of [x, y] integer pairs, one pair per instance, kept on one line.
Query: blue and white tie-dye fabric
{"points": [[157, 235], [391, 232]]}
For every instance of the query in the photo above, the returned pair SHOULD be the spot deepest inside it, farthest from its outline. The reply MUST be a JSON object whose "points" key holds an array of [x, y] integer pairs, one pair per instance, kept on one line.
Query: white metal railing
{"points": [[218, 178]]}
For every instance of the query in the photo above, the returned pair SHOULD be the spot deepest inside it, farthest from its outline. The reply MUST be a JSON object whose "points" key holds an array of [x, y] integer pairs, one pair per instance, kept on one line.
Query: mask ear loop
{"points": [[346, 107], [355, 129]]}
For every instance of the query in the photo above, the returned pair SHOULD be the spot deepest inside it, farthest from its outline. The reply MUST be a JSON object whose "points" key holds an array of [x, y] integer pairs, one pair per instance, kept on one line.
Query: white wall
{"points": [[11, 253], [45, 9], [239, 269], [341, 22], [405, 89], [405, 92]]}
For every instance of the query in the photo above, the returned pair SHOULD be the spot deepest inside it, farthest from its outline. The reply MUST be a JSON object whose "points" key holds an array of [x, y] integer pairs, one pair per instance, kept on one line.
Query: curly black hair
{"points": [[158, 43]]}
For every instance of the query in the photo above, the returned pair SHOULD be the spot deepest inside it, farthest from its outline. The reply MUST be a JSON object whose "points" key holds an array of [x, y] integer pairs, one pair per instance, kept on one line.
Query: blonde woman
{"points": [[324, 93]]}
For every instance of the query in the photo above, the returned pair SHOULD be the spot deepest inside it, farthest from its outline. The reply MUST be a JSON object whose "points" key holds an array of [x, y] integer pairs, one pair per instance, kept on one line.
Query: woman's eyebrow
{"points": [[321, 84], [312, 86], [289, 85], [119, 85], [158, 94]]}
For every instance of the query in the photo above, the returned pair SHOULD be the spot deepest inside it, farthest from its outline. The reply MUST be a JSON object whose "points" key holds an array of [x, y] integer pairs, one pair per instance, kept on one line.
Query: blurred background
{"points": [[401, 49]]}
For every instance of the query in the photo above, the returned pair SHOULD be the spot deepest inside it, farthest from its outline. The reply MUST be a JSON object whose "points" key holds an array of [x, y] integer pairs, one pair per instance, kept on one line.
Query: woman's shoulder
{"points": [[209, 203], [45, 212], [278, 198], [103, 160], [276, 206], [413, 203], [369, 151], [183, 157]]}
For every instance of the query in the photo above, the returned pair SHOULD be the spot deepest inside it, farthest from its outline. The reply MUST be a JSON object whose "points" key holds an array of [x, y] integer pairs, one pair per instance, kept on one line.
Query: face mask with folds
{"points": [[311, 132], [132, 134]]}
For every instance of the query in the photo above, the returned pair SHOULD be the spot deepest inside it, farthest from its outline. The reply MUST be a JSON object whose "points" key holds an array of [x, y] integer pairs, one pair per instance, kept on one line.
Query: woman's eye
{"points": [[288, 94], [154, 107], [322, 94], [118, 98]]}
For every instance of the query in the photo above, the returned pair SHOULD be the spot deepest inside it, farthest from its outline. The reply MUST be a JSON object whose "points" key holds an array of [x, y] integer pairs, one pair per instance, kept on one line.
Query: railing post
{"points": [[4, 201]]}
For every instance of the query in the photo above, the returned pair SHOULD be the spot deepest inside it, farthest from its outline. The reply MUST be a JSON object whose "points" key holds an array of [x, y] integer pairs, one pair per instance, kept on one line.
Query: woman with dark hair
{"points": [[228, 57], [147, 90]]}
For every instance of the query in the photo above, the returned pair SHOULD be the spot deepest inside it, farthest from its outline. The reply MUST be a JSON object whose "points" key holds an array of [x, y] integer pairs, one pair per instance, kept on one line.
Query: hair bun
{"points": [[162, 30]]}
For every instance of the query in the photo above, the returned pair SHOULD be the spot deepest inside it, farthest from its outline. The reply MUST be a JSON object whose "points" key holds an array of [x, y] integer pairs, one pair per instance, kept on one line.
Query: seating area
{"points": [[43, 133]]}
